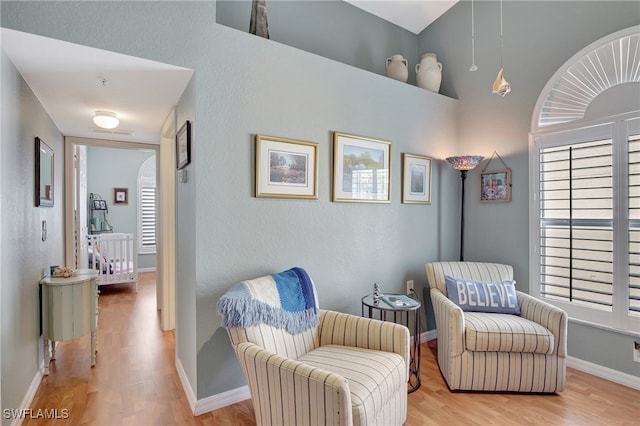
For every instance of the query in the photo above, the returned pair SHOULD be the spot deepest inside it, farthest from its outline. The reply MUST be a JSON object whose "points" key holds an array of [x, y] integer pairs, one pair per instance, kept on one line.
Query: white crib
{"points": [[115, 256]]}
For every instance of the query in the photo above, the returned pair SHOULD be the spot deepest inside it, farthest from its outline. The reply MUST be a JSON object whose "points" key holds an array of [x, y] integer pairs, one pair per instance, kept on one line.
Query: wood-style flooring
{"points": [[135, 383]]}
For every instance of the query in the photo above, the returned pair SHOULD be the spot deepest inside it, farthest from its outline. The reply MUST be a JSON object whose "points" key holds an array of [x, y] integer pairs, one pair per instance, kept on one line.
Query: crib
{"points": [[115, 256]]}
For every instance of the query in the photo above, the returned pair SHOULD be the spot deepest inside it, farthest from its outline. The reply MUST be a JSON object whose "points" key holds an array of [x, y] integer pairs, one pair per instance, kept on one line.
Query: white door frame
{"points": [[166, 203]]}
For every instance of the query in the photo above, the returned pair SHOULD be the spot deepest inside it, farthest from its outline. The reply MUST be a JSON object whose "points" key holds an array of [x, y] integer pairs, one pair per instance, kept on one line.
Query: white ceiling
{"points": [[68, 78], [412, 15]]}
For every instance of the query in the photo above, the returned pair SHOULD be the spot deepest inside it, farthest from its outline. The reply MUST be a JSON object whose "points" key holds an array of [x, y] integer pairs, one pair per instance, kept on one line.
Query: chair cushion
{"points": [[373, 376], [490, 332]]}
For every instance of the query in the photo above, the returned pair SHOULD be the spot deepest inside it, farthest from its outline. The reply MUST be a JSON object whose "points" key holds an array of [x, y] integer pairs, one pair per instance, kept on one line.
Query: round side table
{"points": [[402, 313]]}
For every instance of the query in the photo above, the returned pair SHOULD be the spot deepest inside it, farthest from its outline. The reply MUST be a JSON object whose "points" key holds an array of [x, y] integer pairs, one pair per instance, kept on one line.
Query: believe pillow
{"points": [[483, 296]]}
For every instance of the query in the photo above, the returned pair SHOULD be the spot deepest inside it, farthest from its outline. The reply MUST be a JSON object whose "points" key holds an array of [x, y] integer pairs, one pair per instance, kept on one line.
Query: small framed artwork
{"points": [[361, 169], [495, 186], [120, 196], [416, 179], [286, 168], [183, 145]]}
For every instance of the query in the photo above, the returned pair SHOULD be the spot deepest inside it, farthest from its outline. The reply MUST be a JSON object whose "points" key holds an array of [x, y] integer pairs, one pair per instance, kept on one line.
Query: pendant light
{"points": [[473, 66], [500, 85]]}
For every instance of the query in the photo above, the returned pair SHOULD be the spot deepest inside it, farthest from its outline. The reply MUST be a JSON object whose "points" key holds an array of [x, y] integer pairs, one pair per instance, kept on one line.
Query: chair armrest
{"points": [[338, 328], [552, 318], [449, 323], [288, 392]]}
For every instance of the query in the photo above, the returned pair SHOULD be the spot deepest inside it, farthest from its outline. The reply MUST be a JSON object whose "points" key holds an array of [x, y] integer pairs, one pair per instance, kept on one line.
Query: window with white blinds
{"points": [[634, 225], [586, 227], [147, 219], [147, 208]]}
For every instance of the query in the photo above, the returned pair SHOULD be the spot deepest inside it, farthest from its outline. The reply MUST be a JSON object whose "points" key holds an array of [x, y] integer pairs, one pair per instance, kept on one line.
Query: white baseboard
{"points": [[428, 335], [186, 386], [31, 393], [604, 372], [152, 269], [220, 400]]}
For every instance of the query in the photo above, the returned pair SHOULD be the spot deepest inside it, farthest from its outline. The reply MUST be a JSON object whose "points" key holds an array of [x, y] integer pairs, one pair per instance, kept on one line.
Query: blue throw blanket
{"points": [[284, 300]]}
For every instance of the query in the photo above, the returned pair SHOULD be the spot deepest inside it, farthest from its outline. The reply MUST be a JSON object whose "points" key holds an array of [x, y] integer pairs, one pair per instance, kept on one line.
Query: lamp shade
{"points": [[106, 119], [465, 162]]}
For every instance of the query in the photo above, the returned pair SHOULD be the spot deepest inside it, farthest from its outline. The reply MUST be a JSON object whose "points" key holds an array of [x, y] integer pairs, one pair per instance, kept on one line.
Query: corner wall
{"points": [[539, 37]]}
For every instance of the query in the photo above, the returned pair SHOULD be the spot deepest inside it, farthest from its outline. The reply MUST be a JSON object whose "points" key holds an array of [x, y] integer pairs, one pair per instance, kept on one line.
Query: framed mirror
{"points": [[44, 174]]}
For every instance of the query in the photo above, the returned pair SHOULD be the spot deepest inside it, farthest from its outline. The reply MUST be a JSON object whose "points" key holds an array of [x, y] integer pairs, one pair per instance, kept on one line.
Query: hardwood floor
{"points": [[135, 383]]}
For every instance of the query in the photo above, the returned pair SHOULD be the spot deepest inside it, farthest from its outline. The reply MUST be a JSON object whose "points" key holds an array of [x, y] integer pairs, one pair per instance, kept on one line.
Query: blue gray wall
{"points": [[25, 256], [109, 168], [539, 37]]}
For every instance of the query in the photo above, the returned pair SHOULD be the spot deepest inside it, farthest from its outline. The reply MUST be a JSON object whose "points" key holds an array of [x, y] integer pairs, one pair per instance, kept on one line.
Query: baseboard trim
{"points": [[186, 386], [428, 335], [31, 393], [152, 269], [220, 400], [604, 372]]}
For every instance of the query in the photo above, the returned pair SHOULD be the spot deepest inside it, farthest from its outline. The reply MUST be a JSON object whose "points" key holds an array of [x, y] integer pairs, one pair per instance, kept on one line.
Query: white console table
{"points": [[69, 310]]}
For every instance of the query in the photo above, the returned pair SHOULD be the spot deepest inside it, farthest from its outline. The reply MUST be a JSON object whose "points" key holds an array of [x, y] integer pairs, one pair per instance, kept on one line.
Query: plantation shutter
{"points": [[576, 223], [634, 225], [147, 218]]}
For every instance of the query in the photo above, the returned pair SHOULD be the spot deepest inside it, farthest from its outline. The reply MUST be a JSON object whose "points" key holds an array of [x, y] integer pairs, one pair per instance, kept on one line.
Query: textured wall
{"points": [[539, 37], [25, 256]]}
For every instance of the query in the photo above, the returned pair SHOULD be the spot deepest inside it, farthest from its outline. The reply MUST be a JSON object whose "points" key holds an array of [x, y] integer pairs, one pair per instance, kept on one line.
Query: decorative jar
{"points": [[397, 68], [429, 72]]}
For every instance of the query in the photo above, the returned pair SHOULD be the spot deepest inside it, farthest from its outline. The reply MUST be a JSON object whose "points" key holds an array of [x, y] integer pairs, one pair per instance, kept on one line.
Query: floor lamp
{"points": [[463, 163]]}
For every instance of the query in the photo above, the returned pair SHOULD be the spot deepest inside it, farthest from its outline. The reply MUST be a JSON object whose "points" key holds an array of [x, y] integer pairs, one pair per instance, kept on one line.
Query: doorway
{"points": [[76, 223]]}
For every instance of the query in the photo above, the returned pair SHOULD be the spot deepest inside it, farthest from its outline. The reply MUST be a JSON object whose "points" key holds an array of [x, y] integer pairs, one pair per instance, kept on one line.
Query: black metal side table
{"points": [[383, 309]]}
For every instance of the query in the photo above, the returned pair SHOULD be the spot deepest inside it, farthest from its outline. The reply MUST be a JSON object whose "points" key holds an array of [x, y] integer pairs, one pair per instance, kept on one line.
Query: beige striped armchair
{"points": [[348, 370], [496, 351]]}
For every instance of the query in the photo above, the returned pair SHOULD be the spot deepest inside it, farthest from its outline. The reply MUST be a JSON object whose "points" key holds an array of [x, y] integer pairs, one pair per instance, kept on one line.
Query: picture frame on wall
{"points": [[495, 186], [286, 168], [183, 145], [120, 195], [416, 179], [361, 169]]}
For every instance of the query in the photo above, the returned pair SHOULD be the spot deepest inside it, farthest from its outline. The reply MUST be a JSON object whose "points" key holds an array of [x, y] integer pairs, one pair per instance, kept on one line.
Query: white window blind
{"points": [[634, 225], [147, 218], [576, 223], [585, 255]]}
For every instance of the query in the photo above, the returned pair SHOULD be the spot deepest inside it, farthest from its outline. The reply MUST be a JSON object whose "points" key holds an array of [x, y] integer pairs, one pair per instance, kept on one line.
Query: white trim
{"points": [[151, 269], [31, 393], [186, 386], [428, 336], [604, 372], [220, 400]]}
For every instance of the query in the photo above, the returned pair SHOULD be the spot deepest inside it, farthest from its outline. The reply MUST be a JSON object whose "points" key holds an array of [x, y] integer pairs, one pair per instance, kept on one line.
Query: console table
{"points": [[383, 308], [69, 310]]}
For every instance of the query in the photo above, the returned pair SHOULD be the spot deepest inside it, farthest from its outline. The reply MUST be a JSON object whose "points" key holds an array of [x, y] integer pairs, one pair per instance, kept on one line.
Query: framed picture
{"points": [[286, 168], [495, 186], [183, 145], [361, 169], [120, 196], [416, 179]]}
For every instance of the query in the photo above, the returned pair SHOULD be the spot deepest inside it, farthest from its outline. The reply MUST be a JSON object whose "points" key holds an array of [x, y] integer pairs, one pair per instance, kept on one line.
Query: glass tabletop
{"points": [[382, 304]]}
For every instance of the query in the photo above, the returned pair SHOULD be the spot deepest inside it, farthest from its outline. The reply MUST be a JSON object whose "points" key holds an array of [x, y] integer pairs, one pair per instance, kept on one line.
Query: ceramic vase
{"points": [[429, 72], [397, 68]]}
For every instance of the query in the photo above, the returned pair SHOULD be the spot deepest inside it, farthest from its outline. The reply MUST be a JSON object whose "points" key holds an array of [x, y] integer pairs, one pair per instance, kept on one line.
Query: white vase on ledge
{"points": [[429, 72], [397, 68]]}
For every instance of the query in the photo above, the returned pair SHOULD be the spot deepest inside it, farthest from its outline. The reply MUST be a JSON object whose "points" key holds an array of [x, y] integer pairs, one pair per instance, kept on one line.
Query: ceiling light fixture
{"points": [[106, 119], [501, 86]]}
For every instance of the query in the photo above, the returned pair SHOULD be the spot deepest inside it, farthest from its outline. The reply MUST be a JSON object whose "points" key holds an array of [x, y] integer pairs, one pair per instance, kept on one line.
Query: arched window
{"points": [[585, 176], [147, 208]]}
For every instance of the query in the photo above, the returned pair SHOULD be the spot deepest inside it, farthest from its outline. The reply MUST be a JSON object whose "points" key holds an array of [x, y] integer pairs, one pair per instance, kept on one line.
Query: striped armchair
{"points": [[346, 371], [497, 352]]}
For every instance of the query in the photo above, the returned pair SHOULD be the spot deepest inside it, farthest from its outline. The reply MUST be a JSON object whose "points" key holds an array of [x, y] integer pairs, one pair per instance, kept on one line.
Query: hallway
{"points": [[134, 381]]}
